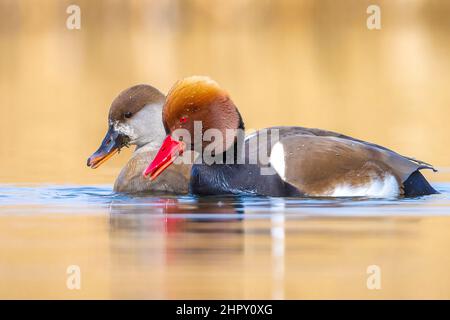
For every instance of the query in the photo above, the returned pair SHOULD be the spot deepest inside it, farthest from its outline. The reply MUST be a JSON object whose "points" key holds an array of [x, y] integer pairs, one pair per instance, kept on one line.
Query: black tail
{"points": [[416, 185]]}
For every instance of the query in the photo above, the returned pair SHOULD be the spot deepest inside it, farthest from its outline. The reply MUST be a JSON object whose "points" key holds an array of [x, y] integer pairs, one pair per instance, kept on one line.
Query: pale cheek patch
{"points": [[377, 188], [125, 129], [277, 160]]}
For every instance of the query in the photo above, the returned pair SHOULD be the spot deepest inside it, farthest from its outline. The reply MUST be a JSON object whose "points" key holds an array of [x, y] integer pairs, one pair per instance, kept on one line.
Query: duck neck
{"points": [[232, 154], [152, 144], [235, 153], [150, 128]]}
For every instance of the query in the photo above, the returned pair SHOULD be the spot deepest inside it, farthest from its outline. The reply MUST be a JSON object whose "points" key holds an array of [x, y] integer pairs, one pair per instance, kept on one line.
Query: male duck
{"points": [[304, 162]]}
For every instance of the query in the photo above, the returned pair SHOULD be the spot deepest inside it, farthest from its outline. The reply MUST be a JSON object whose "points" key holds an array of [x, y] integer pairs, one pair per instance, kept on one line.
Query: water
{"points": [[220, 247], [76, 199]]}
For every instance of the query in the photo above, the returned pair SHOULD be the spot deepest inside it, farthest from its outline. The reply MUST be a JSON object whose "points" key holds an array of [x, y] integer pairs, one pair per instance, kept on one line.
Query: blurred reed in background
{"points": [[284, 62]]}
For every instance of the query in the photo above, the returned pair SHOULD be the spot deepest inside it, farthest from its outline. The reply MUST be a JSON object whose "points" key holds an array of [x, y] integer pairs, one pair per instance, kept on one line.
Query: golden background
{"points": [[285, 62]]}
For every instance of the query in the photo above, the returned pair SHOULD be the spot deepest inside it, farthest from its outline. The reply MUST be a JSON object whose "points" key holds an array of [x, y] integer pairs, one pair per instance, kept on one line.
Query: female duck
{"points": [[135, 119], [303, 162]]}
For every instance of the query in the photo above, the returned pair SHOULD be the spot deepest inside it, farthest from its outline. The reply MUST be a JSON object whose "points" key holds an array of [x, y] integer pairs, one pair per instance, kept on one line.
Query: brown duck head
{"points": [[134, 119]]}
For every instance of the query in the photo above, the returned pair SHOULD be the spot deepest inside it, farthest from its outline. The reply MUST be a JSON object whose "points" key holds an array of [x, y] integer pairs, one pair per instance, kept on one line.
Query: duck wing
{"points": [[323, 163]]}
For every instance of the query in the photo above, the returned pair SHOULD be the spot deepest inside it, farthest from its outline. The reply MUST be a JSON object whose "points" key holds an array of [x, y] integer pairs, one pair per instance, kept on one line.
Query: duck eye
{"points": [[183, 119], [127, 114]]}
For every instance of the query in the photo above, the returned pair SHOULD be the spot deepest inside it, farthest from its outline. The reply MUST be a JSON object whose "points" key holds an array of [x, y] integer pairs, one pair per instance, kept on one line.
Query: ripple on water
{"points": [[73, 199]]}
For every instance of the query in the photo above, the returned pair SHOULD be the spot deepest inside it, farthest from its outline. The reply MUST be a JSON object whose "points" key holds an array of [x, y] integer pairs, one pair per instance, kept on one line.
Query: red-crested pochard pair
{"points": [[303, 162]]}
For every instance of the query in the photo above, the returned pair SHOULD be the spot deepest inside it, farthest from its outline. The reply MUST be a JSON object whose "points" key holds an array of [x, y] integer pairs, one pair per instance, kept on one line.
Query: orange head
{"points": [[195, 99]]}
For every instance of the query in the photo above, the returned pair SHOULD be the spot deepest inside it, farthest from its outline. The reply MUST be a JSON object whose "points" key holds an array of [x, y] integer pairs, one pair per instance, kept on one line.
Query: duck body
{"points": [[238, 179], [314, 162], [175, 180]]}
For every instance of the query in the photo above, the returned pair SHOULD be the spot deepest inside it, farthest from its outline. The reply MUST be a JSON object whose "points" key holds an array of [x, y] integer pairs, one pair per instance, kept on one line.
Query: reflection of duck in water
{"points": [[306, 162], [135, 119], [186, 207], [175, 213], [155, 241]]}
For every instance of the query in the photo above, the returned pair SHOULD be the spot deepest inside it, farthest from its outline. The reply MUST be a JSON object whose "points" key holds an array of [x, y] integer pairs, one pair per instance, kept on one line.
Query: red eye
{"points": [[183, 119]]}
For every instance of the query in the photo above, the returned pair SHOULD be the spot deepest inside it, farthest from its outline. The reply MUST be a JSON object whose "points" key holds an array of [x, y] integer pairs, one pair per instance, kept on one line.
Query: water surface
{"points": [[219, 247]]}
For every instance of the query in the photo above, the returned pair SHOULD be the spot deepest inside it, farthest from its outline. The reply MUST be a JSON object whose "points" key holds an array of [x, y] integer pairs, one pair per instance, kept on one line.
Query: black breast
{"points": [[244, 179]]}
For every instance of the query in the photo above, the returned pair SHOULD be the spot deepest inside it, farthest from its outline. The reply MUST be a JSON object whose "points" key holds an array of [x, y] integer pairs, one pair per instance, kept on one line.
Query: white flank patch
{"points": [[377, 188], [277, 160]]}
